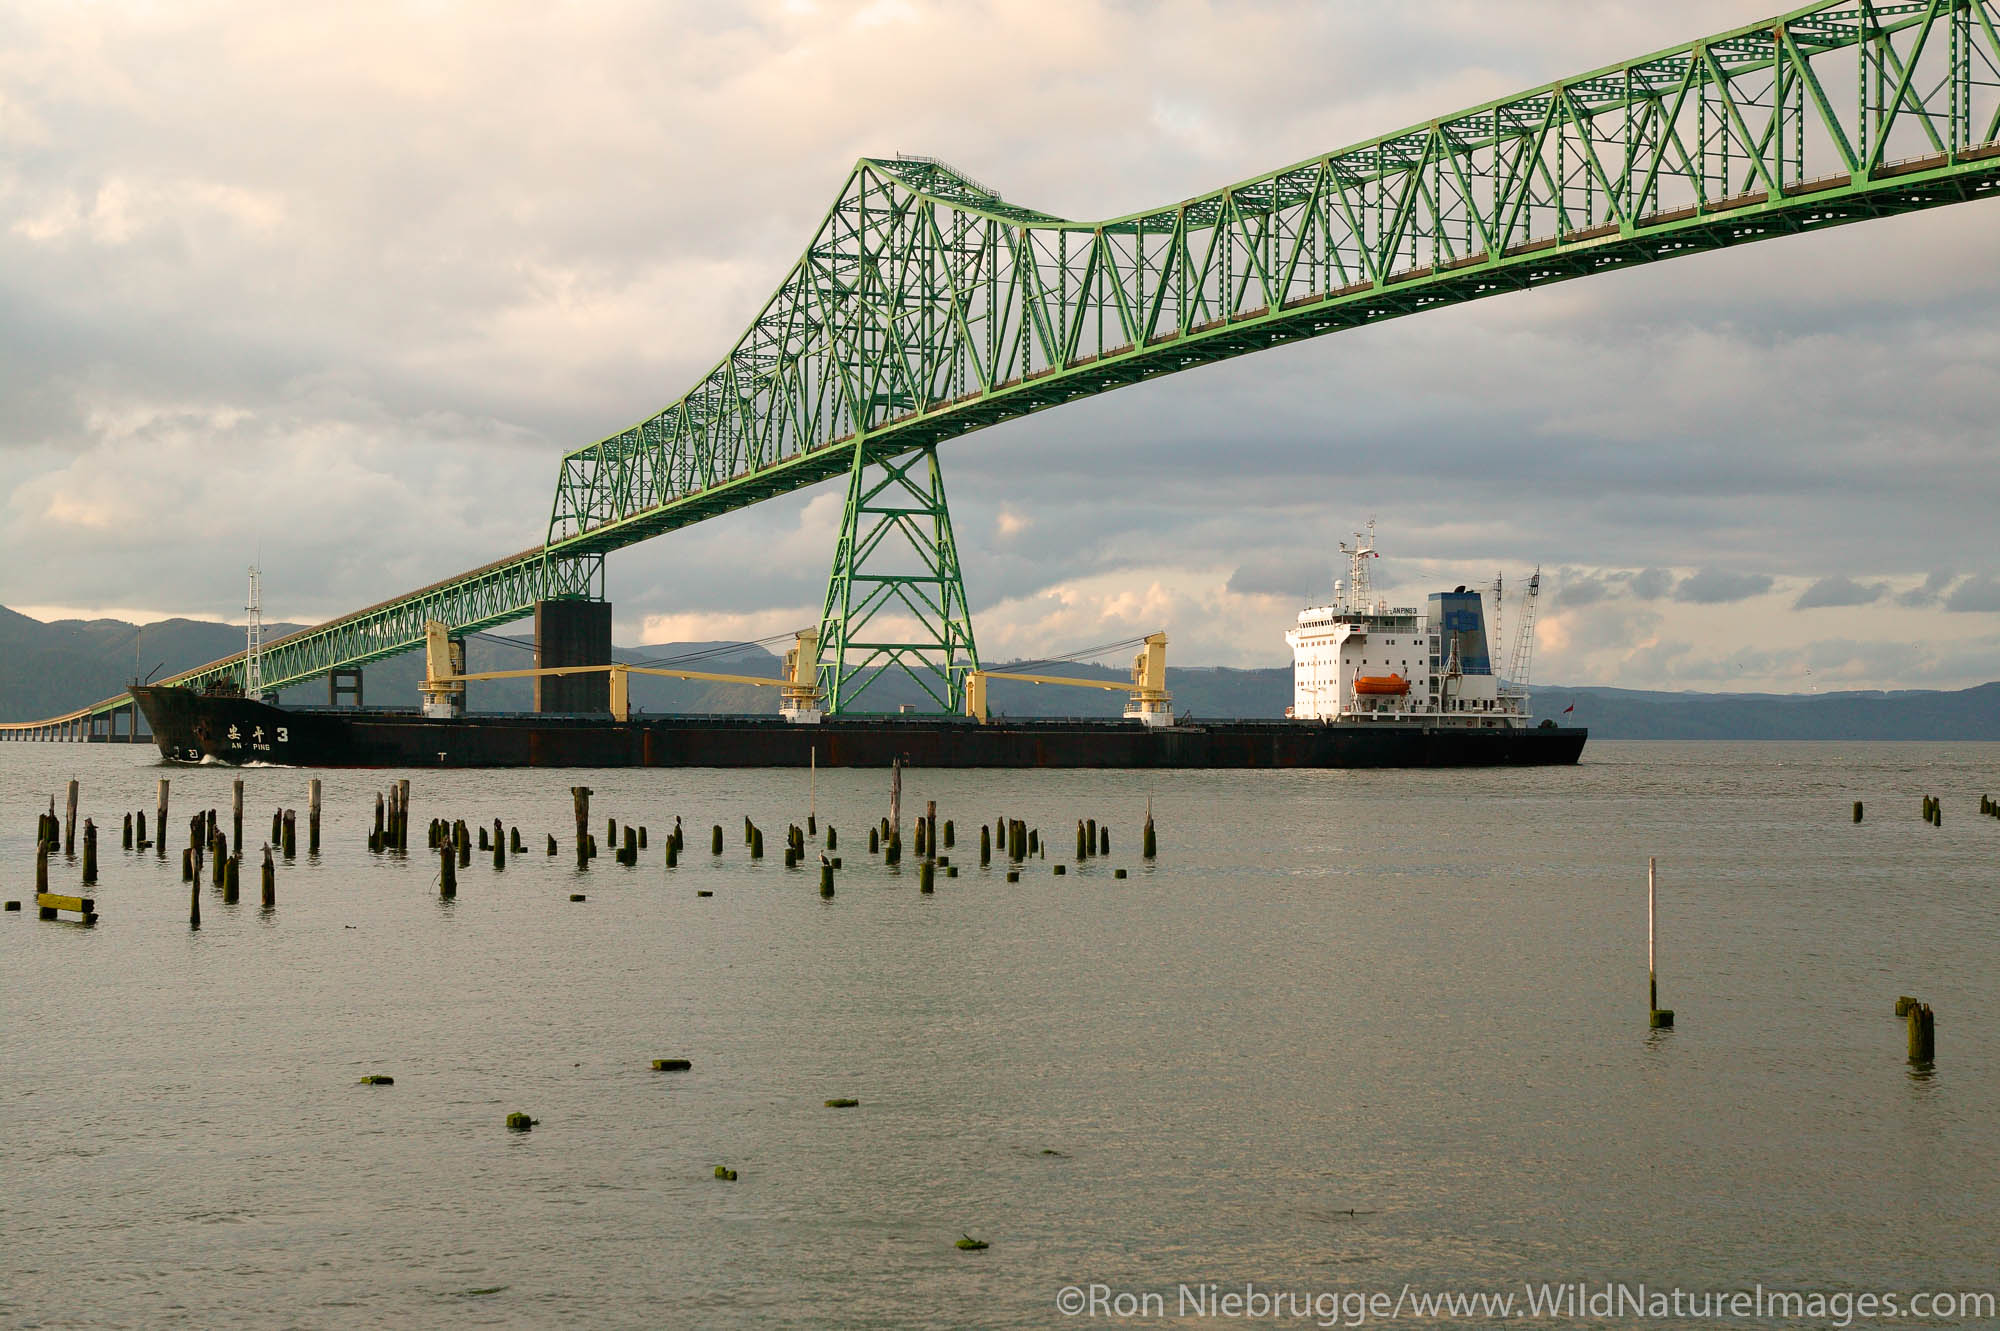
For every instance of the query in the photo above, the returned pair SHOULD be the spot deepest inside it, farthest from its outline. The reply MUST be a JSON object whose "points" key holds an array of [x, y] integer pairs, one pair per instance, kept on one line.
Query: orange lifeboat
{"points": [[1381, 686]]}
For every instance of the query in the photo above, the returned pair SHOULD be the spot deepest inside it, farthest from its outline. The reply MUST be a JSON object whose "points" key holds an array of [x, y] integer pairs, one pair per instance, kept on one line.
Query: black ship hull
{"points": [[194, 728]]}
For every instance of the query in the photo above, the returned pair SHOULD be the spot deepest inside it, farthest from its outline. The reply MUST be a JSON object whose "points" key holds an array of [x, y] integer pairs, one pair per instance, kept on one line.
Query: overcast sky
{"points": [[333, 287]]}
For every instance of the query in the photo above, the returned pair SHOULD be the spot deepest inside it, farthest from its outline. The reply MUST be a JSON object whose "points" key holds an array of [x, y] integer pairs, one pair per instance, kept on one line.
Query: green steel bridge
{"points": [[926, 307]]}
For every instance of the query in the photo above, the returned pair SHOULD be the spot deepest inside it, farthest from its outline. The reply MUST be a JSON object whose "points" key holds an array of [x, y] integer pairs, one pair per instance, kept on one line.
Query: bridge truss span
{"points": [[925, 307]]}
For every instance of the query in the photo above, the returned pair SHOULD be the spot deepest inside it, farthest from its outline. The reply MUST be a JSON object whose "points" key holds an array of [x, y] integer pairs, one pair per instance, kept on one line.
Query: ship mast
{"points": [[1358, 593]]}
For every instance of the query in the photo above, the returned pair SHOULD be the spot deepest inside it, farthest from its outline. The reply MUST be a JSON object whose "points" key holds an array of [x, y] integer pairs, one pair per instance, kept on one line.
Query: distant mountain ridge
{"points": [[50, 668]]}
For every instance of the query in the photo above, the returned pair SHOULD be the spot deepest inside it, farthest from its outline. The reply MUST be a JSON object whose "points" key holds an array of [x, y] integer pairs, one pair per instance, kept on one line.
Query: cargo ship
{"points": [[1374, 685]]}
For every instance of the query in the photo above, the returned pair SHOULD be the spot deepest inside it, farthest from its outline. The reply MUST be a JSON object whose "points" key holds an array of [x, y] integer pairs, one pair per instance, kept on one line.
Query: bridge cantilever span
{"points": [[925, 307]]}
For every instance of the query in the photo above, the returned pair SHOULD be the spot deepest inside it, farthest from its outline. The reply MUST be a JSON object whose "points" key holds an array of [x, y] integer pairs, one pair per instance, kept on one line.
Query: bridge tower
{"points": [[895, 600]]}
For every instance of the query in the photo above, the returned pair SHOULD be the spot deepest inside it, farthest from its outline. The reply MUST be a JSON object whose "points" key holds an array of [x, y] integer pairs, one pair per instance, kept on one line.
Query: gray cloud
{"points": [[1839, 590], [1981, 592], [1652, 584], [1715, 586], [1275, 577], [1579, 590], [1927, 594]]}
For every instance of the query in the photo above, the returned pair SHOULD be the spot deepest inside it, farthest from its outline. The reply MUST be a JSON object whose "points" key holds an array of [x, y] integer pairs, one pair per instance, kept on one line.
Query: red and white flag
{"points": [[1567, 710]]}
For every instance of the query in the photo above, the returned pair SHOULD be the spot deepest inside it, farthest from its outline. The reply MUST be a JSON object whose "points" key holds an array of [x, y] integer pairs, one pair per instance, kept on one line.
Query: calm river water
{"points": [[1350, 1034]]}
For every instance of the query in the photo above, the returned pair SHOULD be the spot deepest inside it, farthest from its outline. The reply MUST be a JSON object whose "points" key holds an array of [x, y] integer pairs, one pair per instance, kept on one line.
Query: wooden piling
{"points": [[236, 811], [220, 850], [160, 820], [926, 870], [893, 852], [447, 870], [69, 822], [1922, 1028], [552, 843], [270, 880], [673, 851], [128, 832], [277, 825], [756, 843], [41, 868], [1857, 811], [895, 832], [825, 876], [499, 845], [89, 852], [231, 878], [832, 838], [376, 841], [194, 889], [985, 844], [312, 816], [187, 868], [874, 841], [140, 820], [514, 841], [1104, 839], [630, 855], [580, 796], [930, 845], [1149, 846], [715, 840], [1662, 1018], [289, 834], [403, 814]]}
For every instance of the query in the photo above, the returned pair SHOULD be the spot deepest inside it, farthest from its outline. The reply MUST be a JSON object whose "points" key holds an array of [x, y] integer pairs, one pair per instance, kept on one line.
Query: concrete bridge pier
{"points": [[567, 633]]}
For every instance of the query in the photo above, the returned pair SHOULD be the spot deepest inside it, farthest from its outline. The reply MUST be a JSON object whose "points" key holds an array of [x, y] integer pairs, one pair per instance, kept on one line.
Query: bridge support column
{"points": [[343, 683], [567, 633], [895, 610]]}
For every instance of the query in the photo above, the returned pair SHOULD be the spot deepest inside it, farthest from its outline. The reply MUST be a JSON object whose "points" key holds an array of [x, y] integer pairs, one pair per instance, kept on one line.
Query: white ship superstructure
{"points": [[1359, 659]]}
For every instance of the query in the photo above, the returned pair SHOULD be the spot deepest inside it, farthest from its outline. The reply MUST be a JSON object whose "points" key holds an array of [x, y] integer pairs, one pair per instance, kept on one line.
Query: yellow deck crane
{"points": [[444, 689], [1147, 700]]}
